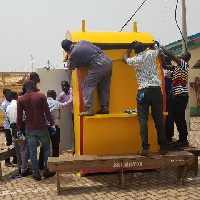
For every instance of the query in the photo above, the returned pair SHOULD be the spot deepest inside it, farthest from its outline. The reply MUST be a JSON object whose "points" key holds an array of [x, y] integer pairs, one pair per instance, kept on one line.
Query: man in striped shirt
{"points": [[180, 93]]}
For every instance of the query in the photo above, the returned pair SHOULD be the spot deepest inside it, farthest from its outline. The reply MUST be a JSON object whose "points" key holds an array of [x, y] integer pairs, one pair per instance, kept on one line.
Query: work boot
{"points": [[163, 151], [37, 177], [48, 174], [88, 112], [144, 152], [104, 110], [180, 144]]}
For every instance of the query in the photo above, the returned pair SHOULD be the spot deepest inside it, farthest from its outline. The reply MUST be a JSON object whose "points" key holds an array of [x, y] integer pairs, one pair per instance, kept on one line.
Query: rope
{"points": [[132, 16]]}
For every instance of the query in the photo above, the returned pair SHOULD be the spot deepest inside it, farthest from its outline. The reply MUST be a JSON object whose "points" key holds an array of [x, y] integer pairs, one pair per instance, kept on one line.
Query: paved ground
{"points": [[157, 184]]}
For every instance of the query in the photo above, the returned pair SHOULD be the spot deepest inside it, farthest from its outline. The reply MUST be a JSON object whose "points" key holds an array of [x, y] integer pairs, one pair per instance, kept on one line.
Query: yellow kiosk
{"points": [[117, 132]]}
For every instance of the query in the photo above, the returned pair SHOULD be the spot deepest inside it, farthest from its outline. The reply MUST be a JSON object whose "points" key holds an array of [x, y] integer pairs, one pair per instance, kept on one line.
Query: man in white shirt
{"points": [[149, 94], [21, 145]]}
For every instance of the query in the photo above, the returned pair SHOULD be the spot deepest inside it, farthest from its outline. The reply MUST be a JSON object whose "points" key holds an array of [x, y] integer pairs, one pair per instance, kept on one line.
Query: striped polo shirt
{"points": [[180, 78]]}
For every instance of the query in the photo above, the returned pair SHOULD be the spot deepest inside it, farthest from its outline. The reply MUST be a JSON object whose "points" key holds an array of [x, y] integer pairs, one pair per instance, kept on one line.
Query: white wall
{"points": [[51, 80]]}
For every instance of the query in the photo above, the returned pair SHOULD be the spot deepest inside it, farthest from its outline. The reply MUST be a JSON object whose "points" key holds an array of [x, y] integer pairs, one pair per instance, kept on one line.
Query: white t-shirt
{"points": [[11, 112], [146, 70]]}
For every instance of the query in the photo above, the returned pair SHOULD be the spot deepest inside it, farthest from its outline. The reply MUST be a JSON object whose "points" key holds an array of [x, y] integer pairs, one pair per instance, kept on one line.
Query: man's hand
{"points": [[133, 43], [157, 43]]}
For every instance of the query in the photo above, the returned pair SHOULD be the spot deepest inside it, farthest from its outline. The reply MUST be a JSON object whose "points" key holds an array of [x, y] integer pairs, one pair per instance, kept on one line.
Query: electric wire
{"points": [[132, 16], [178, 25]]}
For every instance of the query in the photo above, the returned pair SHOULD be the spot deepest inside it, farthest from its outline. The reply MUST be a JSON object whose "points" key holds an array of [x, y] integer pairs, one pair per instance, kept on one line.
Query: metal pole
{"points": [[184, 27], [184, 49]]}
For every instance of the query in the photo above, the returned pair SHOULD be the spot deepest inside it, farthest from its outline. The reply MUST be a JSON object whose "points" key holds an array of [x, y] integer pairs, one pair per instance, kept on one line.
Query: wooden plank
{"points": [[191, 149], [4, 154], [82, 162]]}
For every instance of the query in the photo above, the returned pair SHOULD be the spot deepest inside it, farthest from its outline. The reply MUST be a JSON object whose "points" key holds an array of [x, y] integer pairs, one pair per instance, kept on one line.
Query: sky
{"points": [[35, 28]]}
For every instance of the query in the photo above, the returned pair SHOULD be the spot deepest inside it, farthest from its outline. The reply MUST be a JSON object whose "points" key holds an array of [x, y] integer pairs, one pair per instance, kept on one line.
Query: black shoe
{"points": [[8, 164], [37, 177], [180, 144], [19, 171], [163, 151], [48, 174], [26, 173]]}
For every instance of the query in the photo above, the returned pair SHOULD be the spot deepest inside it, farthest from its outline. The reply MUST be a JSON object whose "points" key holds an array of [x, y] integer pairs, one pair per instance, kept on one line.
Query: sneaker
{"points": [[104, 110], [26, 173], [180, 144], [88, 112], [144, 152], [37, 177], [8, 164], [48, 174], [163, 151]]}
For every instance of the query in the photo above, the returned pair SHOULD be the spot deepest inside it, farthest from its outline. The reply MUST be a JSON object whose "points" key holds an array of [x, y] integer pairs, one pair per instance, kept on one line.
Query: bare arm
{"points": [[171, 55], [127, 54]]}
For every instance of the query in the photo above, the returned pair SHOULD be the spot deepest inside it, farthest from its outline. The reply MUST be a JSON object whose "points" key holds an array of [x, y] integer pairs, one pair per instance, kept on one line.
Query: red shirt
{"points": [[35, 106]]}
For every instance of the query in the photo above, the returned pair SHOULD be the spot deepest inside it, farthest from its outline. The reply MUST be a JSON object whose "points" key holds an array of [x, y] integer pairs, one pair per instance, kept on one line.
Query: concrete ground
{"points": [[147, 185]]}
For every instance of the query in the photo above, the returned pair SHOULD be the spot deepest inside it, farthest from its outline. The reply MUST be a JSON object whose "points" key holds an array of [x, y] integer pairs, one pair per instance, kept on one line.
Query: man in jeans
{"points": [[21, 145], [35, 106], [149, 94]]}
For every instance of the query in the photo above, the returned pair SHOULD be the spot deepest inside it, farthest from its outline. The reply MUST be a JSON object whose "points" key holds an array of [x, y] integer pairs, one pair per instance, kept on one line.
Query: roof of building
{"points": [[193, 42]]}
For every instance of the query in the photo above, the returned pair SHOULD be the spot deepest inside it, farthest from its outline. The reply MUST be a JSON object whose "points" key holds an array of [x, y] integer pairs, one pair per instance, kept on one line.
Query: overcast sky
{"points": [[37, 27]]}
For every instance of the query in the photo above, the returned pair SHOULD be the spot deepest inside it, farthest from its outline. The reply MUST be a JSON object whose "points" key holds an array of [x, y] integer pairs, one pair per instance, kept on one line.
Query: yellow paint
{"points": [[116, 132], [110, 37], [76, 106]]}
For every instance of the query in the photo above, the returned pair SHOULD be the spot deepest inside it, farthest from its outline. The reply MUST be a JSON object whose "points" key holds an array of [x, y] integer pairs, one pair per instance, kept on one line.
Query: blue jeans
{"points": [[32, 138]]}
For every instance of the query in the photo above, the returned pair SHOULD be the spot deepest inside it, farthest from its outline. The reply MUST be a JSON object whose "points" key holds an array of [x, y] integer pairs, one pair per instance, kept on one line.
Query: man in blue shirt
{"points": [[54, 132], [6, 125]]}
